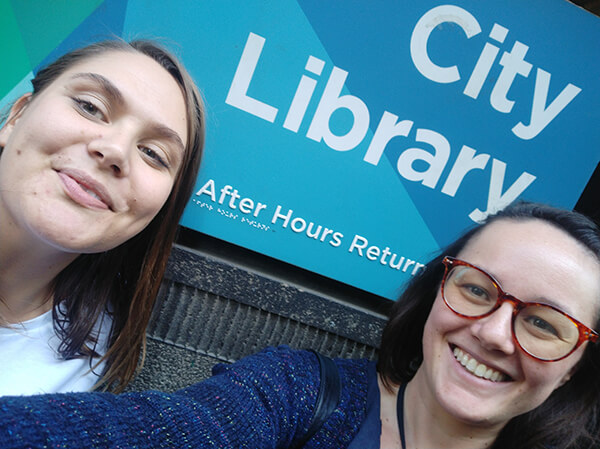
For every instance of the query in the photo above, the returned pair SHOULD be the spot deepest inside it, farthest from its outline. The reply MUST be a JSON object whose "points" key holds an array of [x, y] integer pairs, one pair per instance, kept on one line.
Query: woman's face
{"points": [[535, 262], [90, 160]]}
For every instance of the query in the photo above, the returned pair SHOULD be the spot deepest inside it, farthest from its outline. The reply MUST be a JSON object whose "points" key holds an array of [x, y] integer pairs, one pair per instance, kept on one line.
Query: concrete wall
{"points": [[210, 311]]}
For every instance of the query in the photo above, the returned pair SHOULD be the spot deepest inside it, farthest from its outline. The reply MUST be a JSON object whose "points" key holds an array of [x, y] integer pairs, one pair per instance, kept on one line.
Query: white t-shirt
{"points": [[30, 363]]}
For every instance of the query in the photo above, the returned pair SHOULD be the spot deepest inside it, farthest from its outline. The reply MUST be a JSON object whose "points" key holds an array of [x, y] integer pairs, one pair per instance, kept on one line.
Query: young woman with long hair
{"points": [[96, 166]]}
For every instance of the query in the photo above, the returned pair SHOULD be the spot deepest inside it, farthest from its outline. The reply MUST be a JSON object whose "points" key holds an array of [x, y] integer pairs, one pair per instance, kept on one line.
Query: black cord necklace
{"points": [[400, 414]]}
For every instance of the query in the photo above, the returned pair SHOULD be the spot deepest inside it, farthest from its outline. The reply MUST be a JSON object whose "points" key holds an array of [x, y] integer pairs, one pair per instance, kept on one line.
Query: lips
{"points": [[478, 368], [85, 190]]}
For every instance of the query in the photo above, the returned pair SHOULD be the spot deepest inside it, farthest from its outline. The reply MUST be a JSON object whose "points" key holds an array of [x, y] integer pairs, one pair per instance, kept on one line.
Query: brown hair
{"points": [[124, 281], [570, 417]]}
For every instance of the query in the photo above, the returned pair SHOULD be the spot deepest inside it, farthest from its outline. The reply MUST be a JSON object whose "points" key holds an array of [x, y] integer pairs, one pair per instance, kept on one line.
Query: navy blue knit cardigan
{"points": [[263, 401]]}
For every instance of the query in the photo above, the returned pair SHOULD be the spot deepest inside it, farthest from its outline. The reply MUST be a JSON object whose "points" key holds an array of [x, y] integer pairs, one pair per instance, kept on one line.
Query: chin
{"points": [[474, 416], [473, 404]]}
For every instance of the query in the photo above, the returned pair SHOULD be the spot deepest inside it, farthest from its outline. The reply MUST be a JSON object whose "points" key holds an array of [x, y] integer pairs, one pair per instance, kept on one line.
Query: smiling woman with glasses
{"points": [[508, 317], [493, 345]]}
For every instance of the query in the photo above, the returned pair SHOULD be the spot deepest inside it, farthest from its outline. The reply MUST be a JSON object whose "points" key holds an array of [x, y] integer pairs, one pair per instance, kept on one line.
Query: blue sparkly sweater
{"points": [[262, 401]]}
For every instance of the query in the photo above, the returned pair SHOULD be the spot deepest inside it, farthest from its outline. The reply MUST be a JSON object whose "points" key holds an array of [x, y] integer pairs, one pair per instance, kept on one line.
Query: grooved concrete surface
{"points": [[210, 311]]}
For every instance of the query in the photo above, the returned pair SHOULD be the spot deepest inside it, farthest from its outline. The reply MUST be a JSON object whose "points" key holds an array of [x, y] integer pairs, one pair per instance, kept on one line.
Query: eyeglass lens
{"points": [[540, 330]]}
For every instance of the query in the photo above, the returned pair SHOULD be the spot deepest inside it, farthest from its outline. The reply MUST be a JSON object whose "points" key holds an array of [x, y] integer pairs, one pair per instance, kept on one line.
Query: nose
{"points": [[112, 152], [495, 331]]}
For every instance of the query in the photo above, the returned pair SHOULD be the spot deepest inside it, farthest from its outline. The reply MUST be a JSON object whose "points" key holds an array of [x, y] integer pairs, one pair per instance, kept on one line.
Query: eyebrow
{"points": [[113, 93], [167, 133], [108, 88], [540, 299], [550, 302]]}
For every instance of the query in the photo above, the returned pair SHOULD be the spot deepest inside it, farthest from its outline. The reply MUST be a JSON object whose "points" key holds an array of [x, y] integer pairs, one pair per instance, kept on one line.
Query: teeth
{"points": [[91, 192], [480, 371], [476, 368]]}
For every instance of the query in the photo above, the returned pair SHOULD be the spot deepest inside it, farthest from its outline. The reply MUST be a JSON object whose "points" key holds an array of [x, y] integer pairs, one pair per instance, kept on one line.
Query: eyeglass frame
{"points": [[585, 333]]}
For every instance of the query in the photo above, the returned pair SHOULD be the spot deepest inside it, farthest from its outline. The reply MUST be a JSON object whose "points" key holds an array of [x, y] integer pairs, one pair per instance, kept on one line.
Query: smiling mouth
{"points": [[82, 194], [477, 368]]}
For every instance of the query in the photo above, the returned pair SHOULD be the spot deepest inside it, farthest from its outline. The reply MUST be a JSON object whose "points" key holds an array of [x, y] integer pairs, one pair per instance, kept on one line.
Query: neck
{"points": [[26, 274], [426, 414], [390, 432]]}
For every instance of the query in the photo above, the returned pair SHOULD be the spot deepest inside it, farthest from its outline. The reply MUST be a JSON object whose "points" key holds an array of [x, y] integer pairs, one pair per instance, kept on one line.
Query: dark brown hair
{"points": [[570, 417], [124, 281]]}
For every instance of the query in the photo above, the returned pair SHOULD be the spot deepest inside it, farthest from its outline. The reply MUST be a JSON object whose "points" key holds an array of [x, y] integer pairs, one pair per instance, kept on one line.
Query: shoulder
{"points": [[32, 348]]}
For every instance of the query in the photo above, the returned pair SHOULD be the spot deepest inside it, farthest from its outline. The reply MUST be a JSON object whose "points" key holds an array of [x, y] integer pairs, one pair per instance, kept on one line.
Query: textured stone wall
{"points": [[211, 311]]}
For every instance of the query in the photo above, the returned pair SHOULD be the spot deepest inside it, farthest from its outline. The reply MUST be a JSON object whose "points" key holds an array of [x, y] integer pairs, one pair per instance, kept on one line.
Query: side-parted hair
{"points": [[570, 417], [125, 280]]}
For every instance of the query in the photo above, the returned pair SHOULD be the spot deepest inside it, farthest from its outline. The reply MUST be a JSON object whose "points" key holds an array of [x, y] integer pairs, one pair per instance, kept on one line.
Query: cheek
{"points": [[45, 125], [441, 319], [149, 195], [542, 378], [438, 323]]}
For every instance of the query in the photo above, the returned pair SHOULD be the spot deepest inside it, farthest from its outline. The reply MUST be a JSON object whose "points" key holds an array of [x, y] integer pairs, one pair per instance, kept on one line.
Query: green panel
{"points": [[13, 58], [44, 24]]}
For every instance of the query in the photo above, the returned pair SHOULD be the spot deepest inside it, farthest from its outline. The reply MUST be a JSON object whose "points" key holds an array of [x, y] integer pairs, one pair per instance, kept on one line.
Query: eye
{"points": [[475, 292], [154, 156], [542, 325], [89, 108]]}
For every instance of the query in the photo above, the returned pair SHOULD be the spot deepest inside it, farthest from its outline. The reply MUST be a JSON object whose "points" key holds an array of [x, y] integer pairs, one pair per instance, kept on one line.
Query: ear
{"points": [[564, 380], [567, 376], [13, 117]]}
